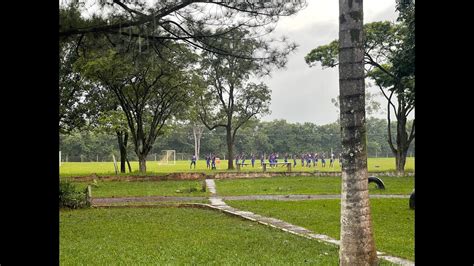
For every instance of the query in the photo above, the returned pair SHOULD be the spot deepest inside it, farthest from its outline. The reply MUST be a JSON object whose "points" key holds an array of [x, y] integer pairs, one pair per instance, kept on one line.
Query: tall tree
{"points": [[402, 106], [389, 62], [231, 100], [104, 114], [404, 85], [151, 89], [357, 242]]}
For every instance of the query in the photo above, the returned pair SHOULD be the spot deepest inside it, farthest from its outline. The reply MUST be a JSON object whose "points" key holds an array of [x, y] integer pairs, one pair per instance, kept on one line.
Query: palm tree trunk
{"points": [[357, 243]]}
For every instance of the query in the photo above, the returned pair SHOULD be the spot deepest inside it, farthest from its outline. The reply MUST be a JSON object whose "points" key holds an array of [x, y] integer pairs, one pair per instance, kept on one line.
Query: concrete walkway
{"points": [[99, 201], [304, 197], [218, 204]]}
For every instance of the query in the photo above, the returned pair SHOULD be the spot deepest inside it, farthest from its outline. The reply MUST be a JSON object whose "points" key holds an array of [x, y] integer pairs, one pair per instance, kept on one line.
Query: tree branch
{"points": [[389, 130]]}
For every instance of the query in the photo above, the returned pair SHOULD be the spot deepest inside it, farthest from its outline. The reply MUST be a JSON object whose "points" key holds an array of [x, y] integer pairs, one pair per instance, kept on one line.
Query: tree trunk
{"points": [[122, 157], [142, 163], [402, 144], [357, 244], [400, 160], [230, 149], [122, 138], [141, 152], [198, 149], [129, 168], [195, 143], [197, 132], [125, 141]]}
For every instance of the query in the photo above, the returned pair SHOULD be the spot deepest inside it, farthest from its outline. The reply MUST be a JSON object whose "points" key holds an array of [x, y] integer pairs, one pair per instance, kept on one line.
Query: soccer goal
{"points": [[167, 157]]}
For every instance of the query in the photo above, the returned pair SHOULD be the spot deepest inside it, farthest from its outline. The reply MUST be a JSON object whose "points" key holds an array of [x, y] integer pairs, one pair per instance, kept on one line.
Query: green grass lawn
{"points": [[159, 236], [178, 188], [107, 168], [305, 185], [393, 221]]}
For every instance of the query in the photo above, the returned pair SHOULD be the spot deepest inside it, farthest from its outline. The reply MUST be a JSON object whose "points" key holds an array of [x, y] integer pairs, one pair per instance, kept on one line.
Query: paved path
{"points": [[219, 204], [303, 197], [100, 201], [97, 201]]}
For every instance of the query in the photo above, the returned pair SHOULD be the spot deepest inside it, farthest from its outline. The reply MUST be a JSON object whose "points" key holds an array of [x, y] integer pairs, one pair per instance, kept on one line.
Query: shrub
{"points": [[187, 190], [70, 197]]}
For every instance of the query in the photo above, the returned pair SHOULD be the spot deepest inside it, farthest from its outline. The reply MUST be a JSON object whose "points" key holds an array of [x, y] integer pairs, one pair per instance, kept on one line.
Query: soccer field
{"points": [[107, 168]]}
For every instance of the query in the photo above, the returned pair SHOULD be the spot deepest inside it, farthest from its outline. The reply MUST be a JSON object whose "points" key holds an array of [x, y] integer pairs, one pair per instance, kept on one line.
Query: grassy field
{"points": [[178, 188], [171, 236], [234, 187], [305, 185], [107, 168], [393, 221]]}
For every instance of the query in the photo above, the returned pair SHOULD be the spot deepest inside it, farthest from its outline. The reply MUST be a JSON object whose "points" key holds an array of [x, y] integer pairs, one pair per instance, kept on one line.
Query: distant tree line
{"points": [[278, 136]]}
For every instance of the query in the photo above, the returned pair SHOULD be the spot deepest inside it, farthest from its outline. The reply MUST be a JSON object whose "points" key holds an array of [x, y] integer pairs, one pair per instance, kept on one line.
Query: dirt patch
{"points": [[218, 175]]}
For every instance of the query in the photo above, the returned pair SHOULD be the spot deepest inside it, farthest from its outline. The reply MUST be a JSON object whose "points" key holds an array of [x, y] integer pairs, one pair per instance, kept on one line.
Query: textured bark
{"points": [[402, 145], [230, 149], [402, 139], [122, 138], [197, 133], [357, 243], [129, 167], [142, 163], [141, 152]]}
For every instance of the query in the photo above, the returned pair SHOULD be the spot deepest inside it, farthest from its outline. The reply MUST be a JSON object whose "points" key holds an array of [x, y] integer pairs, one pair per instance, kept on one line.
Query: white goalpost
{"points": [[167, 157]]}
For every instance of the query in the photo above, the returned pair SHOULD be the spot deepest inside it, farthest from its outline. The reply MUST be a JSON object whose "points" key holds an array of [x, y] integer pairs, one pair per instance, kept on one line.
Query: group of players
{"points": [[311, 159]]}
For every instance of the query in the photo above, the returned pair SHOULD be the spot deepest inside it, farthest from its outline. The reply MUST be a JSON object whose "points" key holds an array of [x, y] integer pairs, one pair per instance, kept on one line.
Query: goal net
{"points": [[167, 157]]}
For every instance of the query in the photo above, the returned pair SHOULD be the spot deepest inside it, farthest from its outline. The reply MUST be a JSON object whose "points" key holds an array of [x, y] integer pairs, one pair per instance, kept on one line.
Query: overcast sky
{"points": [[303, 94]]}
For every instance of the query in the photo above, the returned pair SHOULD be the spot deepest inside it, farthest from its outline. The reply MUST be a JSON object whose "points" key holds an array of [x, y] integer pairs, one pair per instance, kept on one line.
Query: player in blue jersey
{"points": [[208, 161], [193, 162]]}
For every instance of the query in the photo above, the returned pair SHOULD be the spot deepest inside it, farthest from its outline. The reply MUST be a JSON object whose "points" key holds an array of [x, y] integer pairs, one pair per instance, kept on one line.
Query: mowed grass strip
{"points": [[176, 188], [393, 221], [159, 236], [153, 168], [306, 185]]}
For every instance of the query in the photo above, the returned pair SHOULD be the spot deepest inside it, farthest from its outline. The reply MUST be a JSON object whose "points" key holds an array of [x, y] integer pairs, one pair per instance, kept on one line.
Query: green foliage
{"points": [[70, 197], [72, 88], [142, 90], [187, 190], [86, 146], [404, 59], [325, 54], [382, 39]]}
